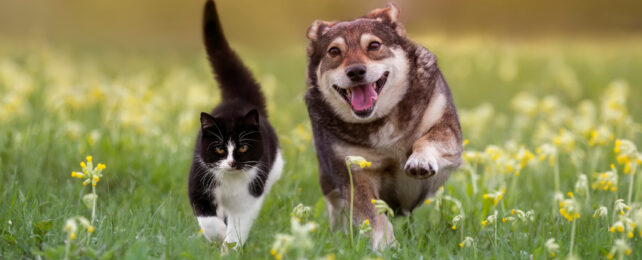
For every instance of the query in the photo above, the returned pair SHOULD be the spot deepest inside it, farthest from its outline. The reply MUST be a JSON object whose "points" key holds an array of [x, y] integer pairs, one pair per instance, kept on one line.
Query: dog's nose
{"points": [[356, 72]]}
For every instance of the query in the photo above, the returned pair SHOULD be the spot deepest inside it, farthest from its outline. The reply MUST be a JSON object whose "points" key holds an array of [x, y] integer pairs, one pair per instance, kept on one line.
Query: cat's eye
{"points": [[334, 52], [220, 150], [373, 46], [243, 149]]}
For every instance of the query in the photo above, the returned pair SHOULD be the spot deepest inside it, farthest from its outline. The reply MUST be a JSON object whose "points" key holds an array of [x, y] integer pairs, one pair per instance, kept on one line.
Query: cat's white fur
{"points": [[233, 197]]}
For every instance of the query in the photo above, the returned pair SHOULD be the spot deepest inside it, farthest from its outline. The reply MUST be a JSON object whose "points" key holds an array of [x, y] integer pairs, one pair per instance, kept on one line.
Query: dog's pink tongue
{"points": [[363, 96]]}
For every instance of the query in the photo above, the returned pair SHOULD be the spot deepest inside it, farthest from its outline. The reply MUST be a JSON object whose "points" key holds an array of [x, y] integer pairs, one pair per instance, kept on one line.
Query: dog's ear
{"points": [[318, 28], [388, 15]]}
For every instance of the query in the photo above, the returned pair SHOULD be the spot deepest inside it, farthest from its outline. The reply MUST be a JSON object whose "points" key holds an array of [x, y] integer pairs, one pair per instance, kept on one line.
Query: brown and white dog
{"points": [[374, 93]]}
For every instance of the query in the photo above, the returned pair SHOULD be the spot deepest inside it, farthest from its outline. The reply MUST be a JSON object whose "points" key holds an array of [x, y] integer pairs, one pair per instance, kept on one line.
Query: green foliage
{"points": [[138, 114]]}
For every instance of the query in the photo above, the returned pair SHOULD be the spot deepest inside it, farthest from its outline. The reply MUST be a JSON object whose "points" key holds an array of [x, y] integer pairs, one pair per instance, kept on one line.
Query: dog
{"points": [[374, 93]]}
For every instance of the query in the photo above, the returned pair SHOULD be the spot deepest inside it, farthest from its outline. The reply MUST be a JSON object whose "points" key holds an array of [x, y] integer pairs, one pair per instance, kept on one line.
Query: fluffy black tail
{"points": [[235, 80]]}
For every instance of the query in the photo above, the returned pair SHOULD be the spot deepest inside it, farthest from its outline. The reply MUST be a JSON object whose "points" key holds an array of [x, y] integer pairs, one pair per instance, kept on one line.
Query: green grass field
{"points": [[138, 112]]}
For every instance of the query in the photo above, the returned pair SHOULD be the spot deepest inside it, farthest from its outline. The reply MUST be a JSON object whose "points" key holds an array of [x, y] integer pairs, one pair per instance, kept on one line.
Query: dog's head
{"points": [[360, 66]]}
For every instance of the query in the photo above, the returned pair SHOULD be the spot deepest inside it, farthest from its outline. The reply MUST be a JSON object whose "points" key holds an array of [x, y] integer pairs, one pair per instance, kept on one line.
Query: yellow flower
{"points": [[83, 165], [278, 256], [72, 236], [372, 201], [272, 251], [427, 201], [461, 244], [101, 166], [367, 221], [630, 235], [466, 142], [570, 194], [96, 179], [484, 223], [454, 227], [89, 158], [91, 229]]}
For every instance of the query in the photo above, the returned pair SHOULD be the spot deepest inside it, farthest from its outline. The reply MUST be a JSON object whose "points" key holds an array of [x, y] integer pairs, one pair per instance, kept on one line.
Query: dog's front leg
{"points": [[439, 150], [382, 234]]}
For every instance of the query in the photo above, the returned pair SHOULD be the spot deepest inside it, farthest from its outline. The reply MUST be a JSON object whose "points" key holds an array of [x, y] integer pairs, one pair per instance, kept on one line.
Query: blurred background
{"points": [[175, 24]]}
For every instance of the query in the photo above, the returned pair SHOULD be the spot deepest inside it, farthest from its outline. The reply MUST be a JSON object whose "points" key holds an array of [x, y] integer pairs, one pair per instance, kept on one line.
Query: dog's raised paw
{"points": [[421, 168]]}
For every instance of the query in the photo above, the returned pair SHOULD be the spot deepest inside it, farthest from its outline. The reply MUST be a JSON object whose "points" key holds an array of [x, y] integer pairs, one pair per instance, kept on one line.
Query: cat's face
{"points": [[230, 144]]}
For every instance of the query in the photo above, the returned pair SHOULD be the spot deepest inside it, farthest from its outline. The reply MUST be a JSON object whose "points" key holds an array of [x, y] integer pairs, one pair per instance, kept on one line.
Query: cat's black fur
{"points": [[240, 117]]}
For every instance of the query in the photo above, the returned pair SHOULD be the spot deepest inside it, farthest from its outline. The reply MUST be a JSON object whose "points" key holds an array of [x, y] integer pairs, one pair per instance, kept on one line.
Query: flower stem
{"points": [[351, 203], [67, 248], [635, 166], [557, 174], [93, 208], [572, 237], [93, 211]]}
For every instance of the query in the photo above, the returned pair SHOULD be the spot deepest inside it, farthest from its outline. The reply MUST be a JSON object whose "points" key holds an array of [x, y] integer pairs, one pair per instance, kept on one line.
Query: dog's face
{"points": [[359, 65]]}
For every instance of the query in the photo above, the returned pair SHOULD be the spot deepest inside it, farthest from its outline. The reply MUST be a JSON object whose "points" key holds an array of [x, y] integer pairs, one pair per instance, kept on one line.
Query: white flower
{"points": [[552, 247]]}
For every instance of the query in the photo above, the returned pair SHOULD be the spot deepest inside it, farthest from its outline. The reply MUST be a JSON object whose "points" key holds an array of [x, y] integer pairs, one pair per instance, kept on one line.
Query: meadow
{"points": [[550, 125]]}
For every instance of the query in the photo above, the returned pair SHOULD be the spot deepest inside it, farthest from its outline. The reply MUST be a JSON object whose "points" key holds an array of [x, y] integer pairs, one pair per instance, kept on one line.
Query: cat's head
{"points": [[230, 144]]}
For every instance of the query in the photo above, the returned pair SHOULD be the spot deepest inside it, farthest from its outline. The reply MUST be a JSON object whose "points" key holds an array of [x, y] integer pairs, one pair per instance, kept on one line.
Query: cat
{"points": [[236, 156]]}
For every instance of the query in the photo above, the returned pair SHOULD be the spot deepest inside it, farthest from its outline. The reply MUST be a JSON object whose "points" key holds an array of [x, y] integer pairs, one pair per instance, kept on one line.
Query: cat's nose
{"points": [[231, 163]]}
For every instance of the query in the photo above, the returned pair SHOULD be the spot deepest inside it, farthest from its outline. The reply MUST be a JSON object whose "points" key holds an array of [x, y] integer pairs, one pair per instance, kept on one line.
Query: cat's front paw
{"points": [[213, 228], [421, 165]]}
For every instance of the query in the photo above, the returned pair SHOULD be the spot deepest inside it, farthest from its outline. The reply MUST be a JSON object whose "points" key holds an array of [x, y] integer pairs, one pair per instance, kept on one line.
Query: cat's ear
{"points": [[207, 120], [251, 118]]}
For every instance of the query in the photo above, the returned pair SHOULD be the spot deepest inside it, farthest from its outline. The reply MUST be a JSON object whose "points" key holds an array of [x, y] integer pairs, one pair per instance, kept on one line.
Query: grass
{"points": [[138, 112]]}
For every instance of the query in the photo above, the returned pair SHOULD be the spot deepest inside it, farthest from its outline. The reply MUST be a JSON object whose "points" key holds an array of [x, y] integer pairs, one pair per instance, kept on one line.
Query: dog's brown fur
{"points": [[412, 135]]}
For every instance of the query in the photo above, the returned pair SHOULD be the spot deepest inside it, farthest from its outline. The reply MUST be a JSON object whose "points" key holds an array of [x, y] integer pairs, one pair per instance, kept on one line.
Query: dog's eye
{"points": [[334, 52], [243, 149], [219, 150], [373, 46]]}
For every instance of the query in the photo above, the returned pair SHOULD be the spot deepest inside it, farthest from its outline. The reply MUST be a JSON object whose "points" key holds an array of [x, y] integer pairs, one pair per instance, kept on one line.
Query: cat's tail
{"points": [[235, 80]]}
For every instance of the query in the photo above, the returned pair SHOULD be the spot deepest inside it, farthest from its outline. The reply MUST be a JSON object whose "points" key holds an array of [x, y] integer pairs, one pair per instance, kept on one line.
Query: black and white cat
{"points": [[236, 157]]}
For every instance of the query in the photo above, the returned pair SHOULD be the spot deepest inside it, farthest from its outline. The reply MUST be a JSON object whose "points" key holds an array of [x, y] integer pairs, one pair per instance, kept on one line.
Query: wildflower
{"points": [[523, 216], [524, 156], [496, 196], [627, 155], [299, 240], [547, 151], [606, 181], [614, 102], [600, 212], [565, 140], [358, 160], [525, 103], [301, 212], [467, 242], [472, 156], [490, 219], [601, 136], [382, 207], [365, 227], [624, 225], [456, 220], [621, 207], [620, 247], [552, 247], [570, 208], [581, 186]]}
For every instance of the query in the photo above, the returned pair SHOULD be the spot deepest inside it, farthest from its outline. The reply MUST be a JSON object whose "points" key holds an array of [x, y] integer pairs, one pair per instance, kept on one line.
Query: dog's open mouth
{"points": [[362, 98]]}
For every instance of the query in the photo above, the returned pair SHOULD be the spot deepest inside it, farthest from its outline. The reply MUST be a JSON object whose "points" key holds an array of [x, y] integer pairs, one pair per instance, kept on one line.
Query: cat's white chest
{"points": [[233, 192]]}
